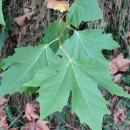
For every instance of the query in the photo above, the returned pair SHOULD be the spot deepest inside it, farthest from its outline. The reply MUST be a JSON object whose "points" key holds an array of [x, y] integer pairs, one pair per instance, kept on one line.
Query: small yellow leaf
{"points": [[61, 5]]}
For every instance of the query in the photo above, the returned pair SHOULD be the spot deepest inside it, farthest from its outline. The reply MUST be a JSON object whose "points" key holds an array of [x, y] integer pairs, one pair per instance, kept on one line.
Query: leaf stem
{"points": [[61, 34], [66, 53]]}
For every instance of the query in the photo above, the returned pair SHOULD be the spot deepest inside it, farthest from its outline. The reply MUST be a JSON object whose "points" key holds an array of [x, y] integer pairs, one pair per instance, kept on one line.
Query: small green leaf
{"points": [[53, 31], [84, 10], [1, 14], [32, 90]]}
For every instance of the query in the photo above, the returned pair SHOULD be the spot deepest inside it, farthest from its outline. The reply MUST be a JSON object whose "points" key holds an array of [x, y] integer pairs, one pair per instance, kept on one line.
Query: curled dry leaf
{"points": [[61, 5], [120, 116], [30, 112], [39, 125], [36, 106], [117, 78], [3, 101], [119, 64], [113, 103], [3, 118], [127, 89], [23, 20]]}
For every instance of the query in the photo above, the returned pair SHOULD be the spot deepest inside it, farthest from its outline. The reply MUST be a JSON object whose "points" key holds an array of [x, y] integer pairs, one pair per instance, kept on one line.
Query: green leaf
{"points": [[1, 64], [84, 10], [53, 31], [88, 43], [32, 90], [1, 14], [81, 70], [81, 77], [3, 37], [23, 65]]}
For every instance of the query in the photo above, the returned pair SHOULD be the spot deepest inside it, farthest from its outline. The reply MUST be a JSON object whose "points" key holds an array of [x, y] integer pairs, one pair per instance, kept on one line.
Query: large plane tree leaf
{"points": [[84, 10], [81, 77], [22, 66], [53, 31], [1, 14], [89, 43], [81, 71]]}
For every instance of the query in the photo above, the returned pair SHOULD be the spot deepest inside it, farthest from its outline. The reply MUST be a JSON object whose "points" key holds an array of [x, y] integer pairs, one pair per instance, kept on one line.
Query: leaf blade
{"points": [[54, 31], [80, 11], [60, 85], [1, 14], [88, 43], [23, 65]]}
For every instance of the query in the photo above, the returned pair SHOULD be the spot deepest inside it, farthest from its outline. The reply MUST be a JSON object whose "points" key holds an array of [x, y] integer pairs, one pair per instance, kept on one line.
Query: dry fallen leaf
{"points": [[23, 20], [120, 116], [3, 101], [61, 5], [119, 64], [117, 78], [113, 103], [39, 125], [30, 112], [3, 118], [127, 89], [13, 129]]}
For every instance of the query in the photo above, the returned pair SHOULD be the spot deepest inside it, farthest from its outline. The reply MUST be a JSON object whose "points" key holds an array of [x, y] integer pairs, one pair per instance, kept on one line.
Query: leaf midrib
{"points": [[82, 93], [51, 103]]}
